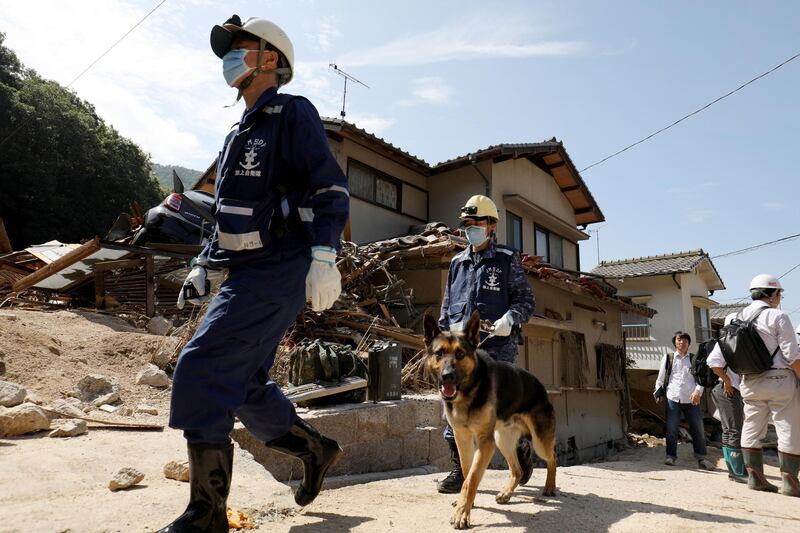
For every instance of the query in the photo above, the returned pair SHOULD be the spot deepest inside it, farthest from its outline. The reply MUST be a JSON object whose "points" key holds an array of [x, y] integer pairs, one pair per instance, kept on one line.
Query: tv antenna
{"points": [[346, 77]]}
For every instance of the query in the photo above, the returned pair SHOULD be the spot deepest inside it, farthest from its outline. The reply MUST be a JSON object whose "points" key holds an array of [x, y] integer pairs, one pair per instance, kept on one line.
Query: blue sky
{"points": [[447, 78]]}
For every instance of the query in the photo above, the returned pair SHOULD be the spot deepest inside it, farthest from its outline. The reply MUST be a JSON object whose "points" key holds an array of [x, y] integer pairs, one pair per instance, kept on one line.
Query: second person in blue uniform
{"points": [[281, 205], [488, 277]]}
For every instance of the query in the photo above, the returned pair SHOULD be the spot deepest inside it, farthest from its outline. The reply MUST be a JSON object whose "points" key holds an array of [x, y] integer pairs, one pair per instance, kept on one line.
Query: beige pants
{"points": [[774, 392]]}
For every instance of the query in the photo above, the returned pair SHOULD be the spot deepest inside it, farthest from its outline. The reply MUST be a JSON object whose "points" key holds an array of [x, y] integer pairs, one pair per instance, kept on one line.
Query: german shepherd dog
{"points": [[487, 403]]}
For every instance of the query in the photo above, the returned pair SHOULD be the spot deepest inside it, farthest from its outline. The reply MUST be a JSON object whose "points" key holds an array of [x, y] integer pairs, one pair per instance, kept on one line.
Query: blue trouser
{"points": [[506, 353], [694, 417], [224, 369]]}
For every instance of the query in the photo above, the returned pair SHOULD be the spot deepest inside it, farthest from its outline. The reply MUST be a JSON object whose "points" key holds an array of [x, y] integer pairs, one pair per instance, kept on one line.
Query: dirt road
{"points": [[55, 485]]}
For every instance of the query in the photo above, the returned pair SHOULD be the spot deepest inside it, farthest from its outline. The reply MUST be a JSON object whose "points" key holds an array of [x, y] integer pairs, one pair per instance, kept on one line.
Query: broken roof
{"points": [[657, 265]]}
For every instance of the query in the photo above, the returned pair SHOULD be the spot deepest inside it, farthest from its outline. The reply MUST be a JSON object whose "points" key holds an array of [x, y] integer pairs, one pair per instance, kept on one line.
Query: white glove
{"points": [[323, 282], [195, 280], [502, 326]]}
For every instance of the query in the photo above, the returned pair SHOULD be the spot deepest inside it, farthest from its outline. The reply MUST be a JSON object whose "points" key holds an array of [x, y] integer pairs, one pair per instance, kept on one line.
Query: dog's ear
{"points": [[431, 328], [473, 329]]}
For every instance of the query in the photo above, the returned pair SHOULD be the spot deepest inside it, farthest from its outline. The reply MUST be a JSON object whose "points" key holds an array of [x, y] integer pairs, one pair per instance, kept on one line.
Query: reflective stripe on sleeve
{"points": [[306, 214], [236, 210], [335, 188]]}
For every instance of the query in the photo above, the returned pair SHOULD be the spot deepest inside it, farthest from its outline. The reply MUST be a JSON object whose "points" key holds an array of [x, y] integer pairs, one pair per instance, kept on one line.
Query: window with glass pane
{"points": [[386, 193], [556, 251], [702, 324], [542, 248], [514, 231], [362, 181]]}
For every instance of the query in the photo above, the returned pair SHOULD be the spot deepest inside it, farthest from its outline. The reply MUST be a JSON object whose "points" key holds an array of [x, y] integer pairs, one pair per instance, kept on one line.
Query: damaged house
{"points": [[574, 344]]}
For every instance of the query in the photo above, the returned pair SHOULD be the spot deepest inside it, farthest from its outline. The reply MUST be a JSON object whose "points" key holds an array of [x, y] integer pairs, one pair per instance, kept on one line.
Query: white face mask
{"points": [[476, 235], [234, 67]]}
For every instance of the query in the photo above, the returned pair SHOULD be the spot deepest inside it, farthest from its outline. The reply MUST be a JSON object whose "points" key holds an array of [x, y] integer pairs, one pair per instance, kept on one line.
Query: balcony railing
{"points": [[636, 332]]}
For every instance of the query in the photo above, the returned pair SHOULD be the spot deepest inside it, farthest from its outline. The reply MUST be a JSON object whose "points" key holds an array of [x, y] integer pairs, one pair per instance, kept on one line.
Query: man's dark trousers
{"points": [[694, 417], [223, 371]]}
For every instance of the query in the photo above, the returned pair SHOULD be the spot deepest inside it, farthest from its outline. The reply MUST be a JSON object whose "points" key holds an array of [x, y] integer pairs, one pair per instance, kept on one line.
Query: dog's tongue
{"points": [[448, 390]]}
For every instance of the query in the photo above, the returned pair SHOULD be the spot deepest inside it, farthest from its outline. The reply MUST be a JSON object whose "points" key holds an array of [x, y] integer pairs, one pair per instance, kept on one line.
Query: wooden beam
{"points": [[412, 341], [5, 243], [556, 165], [570, 189], [11, 267], [105, 266], [150, 286], [78, 254], [320, 389], [100, 290], [584, 210]]}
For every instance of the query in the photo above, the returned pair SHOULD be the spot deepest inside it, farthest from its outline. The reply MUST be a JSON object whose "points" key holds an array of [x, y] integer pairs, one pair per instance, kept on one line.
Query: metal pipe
{"points": [[481, 174]]}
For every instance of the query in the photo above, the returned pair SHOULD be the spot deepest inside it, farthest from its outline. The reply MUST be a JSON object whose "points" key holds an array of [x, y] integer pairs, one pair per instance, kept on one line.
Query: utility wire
{"points": [[665, 128], [756, 247], [93, 63]]}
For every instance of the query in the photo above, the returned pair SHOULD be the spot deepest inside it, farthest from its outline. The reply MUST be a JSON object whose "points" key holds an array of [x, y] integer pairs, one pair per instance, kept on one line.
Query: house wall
{"points": [[520, 176], [588, 418], [675, 313], [370, 222], [449, 191]]}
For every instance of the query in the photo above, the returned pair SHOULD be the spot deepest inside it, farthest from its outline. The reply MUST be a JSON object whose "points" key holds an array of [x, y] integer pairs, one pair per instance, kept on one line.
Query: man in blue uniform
{"points": [[488, 277], [281, 204]]}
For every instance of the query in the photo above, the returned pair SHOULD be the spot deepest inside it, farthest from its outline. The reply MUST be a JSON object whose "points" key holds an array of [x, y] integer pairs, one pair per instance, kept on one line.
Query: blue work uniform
{"points": [[278, 192], [493, 282]]}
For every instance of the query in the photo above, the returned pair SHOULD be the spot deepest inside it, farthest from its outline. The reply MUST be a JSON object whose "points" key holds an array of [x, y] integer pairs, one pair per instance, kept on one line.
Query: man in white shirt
{"points": [[729, 403], [683, 397], [772, 392]]}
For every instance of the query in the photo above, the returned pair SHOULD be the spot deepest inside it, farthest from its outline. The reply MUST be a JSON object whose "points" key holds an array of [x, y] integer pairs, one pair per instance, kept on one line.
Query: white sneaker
{"points": [[705, 464], [669, 461]]}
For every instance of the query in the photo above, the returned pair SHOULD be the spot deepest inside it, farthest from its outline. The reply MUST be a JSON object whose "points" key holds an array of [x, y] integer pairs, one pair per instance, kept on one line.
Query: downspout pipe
{"points": [[481, 174]]}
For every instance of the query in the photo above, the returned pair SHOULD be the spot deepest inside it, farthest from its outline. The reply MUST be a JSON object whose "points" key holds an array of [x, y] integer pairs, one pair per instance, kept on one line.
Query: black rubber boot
{"points": [[318, 454], [210, 468], [525, 458], [455, 479], [790, 465], [754, 461]]}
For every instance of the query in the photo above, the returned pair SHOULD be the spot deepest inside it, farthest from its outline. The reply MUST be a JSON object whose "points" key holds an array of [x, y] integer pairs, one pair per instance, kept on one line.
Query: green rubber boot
{"points": [[754, 461], [735, 463], [790, 465]]}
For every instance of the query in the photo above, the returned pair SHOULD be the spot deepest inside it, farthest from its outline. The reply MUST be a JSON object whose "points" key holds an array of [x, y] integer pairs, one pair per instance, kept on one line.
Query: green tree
{"points": [[64, 173]]}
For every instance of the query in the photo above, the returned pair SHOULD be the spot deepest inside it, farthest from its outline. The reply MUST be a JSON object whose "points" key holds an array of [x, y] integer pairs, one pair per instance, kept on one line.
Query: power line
{"points": [[756, 247], [665, 128], [93, 63], [116, 43]]}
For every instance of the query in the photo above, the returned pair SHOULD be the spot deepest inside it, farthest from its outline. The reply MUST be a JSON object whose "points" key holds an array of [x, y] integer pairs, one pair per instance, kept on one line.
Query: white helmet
{"points": [[765, 281], [729, 318], [271, 35]]}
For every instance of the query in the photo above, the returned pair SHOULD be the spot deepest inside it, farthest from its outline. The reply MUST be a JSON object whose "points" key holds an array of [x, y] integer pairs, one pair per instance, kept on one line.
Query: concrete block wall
{"points": [[375, 437]]}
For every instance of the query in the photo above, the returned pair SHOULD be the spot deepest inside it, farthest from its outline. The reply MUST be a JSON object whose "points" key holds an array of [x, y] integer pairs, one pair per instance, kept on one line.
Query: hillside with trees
{"points": [[64, 173], [164, 175]]}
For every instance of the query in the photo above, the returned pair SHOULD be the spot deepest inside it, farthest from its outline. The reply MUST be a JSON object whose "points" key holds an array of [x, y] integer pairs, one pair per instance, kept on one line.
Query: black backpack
{"points": [[703, 375], [743, 348]]}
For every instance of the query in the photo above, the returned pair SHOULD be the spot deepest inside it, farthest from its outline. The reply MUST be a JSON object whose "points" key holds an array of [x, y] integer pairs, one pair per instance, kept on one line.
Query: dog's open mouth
{"points": [[448, 391]]}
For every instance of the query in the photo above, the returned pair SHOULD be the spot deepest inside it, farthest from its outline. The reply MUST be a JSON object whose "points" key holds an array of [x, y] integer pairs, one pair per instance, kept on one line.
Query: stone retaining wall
{"points": [[375, 437]]}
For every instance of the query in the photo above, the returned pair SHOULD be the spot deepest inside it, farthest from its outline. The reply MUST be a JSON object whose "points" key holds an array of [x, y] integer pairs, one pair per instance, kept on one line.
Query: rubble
{"points": [[153, 376], [158, 325], [146, 410], [69, 428], [93, 386], [125, 478], [68, 406], [177, 470], [11, 394], [108, 408], [22, 419], [110, 398]]}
